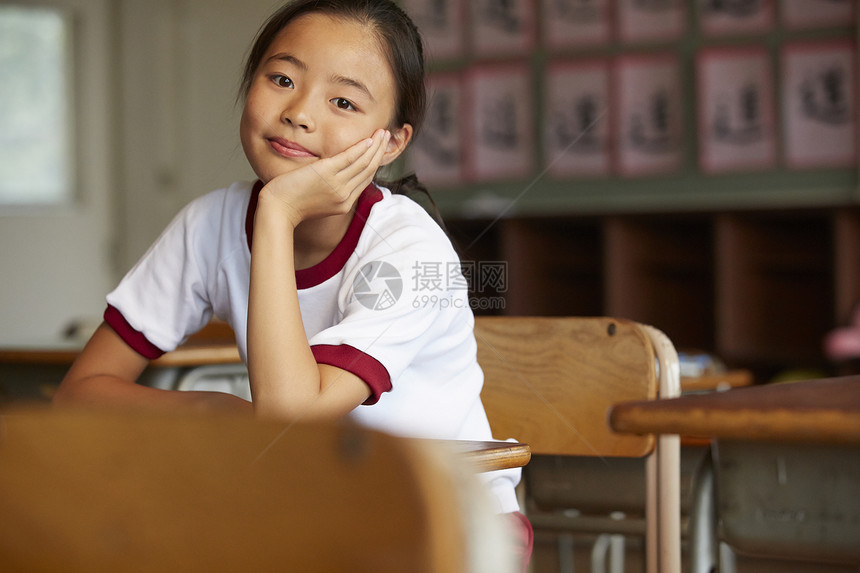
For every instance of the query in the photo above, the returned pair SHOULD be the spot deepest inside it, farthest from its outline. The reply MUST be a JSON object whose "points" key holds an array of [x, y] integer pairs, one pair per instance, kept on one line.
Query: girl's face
{"points": [[323, 85]]}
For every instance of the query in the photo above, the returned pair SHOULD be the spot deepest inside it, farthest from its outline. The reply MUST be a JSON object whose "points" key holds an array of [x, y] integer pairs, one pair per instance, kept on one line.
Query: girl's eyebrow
{"points": [[353, 83], [284, 57], [335, 79]]}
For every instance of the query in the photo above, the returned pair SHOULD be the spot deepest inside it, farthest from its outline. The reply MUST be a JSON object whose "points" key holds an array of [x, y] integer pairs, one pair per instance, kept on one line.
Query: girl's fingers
{"points": [[366, 173], [371, 158], [364, 148], [361, 172], [351, 170]]}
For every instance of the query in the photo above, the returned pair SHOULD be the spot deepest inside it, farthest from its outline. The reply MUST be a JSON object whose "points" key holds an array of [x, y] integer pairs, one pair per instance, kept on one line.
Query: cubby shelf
{"points": [[758, 288]]}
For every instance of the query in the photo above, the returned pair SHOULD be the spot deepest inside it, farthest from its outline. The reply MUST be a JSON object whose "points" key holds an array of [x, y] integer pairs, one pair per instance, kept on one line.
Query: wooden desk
{"points": [[33, 371], [722, 381], [491, 456], [63, 354], [800, 428], [825, 410], [214, 344]]}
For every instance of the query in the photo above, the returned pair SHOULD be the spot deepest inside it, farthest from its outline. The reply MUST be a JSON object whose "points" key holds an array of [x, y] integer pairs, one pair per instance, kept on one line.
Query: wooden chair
{"points": [[87, 491], [550, 382]]}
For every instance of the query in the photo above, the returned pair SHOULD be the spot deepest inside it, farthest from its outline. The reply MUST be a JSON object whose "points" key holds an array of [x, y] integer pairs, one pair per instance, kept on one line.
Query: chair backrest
{"points": [[118, 492], [549, 382]]}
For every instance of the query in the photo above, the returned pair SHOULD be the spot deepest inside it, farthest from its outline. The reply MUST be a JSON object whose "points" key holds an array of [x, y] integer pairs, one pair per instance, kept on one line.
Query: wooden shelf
{"points": [[847, 261], [775, 286], [555, 267], [759, 289], [659, 271]]}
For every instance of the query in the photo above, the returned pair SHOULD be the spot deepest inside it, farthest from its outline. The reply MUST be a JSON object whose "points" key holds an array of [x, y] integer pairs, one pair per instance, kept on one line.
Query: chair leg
{"points": [[598, 554], [669, 477], [652, 545], [565, 553], [611, 544], [703, 520], [727, 559], [617, 547], [663, 472]]}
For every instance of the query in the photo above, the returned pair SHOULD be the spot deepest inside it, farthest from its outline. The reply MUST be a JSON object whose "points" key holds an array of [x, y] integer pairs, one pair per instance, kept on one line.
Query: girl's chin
{"points": [[266, 175]]}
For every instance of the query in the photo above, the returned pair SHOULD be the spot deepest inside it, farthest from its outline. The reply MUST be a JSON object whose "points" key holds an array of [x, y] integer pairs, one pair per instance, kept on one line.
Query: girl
{"points": [[323, 275]]}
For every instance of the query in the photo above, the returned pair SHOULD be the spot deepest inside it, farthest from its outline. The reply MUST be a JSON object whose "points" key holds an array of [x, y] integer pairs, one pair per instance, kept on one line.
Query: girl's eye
{"points": [[282, 81], [342, 103]]}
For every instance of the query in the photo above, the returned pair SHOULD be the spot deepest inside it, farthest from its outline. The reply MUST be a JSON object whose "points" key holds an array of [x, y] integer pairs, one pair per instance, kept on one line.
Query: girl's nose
{"points": [[298, 115], [297, 120]]}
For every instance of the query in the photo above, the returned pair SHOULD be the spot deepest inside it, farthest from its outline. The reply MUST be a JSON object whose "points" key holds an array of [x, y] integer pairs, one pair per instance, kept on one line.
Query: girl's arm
{"points": [[286, 381], [105, 372]]}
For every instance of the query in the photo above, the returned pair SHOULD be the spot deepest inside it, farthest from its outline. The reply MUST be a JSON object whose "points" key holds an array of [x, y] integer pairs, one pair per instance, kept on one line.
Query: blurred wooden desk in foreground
{"points": [[123, 491]]}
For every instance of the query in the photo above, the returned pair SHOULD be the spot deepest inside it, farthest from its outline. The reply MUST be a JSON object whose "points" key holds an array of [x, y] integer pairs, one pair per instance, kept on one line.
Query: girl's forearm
{"points": [[104, 375], [285, 378], [103, 390]]}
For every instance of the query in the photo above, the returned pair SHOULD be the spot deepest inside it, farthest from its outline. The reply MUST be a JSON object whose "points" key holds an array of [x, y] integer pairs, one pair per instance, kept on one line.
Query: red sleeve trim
{"points": [[134, 338], [362, 365]]}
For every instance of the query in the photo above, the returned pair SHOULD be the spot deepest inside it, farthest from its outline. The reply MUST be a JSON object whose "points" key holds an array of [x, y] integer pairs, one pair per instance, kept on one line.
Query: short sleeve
{"points": [[164, 297], [392, 317], [360, 363]]}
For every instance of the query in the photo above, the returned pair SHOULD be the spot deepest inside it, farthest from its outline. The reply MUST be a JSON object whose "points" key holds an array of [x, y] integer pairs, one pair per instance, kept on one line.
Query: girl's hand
{"points": [[328, 186]]}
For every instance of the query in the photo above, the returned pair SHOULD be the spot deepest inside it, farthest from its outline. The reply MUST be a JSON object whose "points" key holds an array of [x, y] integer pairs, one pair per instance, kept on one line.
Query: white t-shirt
{"points": [[389, 304]]}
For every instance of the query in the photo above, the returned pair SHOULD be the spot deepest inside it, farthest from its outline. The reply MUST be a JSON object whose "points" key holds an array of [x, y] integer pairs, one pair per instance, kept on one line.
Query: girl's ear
{"points": [[400, 139]]}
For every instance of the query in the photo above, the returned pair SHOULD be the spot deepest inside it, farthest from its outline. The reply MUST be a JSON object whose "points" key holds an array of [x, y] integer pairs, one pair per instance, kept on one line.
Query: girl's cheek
{"points": [[252, 109], [246, 122]]}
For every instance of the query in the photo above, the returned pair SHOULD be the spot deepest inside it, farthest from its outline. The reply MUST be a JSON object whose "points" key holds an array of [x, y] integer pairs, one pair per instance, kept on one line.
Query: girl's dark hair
{"points": [[397, 36]]}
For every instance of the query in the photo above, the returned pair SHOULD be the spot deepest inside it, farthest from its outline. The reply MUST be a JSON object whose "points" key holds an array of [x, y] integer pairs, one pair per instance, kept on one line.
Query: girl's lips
{"points": [[288, 148]]}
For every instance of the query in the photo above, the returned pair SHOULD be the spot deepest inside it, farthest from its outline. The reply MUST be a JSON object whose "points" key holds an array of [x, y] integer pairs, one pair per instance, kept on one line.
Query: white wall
{"points": [[54, 263], [182, 62], [157, 126]]}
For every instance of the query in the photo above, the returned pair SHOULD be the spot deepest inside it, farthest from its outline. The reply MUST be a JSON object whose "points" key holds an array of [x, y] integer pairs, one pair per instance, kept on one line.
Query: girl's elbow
{"points": [[68, 392], [77, 389], [272, 407], [287, 408]]}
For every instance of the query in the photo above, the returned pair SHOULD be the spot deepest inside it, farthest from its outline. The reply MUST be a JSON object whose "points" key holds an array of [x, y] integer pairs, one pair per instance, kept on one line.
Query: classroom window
{"points": [[36, 166]]}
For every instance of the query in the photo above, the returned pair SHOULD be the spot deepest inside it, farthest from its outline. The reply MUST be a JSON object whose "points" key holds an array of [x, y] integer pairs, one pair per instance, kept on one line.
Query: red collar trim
{"points": [[334, 262]]}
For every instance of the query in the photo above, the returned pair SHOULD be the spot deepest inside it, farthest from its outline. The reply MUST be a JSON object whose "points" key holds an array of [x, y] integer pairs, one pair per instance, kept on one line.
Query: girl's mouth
{"points": [[288, 148]]}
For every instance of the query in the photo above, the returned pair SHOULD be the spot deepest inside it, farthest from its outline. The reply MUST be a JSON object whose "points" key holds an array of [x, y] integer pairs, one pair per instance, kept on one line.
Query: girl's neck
{"points": [[315, 239]]}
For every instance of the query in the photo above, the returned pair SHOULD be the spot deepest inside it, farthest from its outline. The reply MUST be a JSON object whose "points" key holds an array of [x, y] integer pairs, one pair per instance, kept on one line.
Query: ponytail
{"points": [[411, 187]]}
